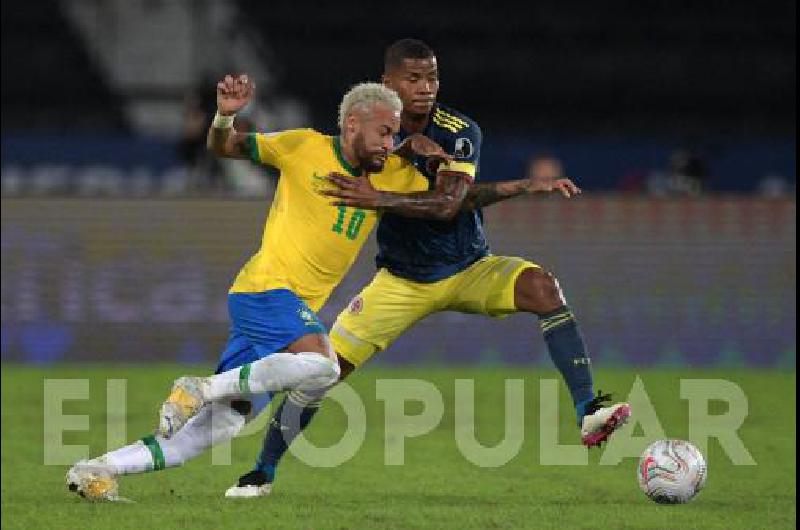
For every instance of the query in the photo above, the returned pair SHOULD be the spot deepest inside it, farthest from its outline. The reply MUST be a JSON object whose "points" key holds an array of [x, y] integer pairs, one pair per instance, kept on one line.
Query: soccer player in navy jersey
{"points": [[433, 256]]}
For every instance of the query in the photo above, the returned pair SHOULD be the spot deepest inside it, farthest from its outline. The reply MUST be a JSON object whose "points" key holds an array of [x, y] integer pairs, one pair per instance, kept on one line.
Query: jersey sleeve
{"points": [[274, 148], [465, 146], [416, 181]]}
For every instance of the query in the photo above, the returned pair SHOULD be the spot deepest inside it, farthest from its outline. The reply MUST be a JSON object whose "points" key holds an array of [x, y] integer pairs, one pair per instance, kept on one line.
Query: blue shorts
{"points": [[263, 324]]}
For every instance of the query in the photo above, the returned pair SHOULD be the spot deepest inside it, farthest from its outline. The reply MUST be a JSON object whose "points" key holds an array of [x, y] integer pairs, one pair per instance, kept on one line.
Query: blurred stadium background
{"points": [[677, 119]]}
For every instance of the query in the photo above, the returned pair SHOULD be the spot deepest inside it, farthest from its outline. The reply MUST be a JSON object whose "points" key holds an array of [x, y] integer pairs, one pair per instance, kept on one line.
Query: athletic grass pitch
{"points": [[436, 488]]}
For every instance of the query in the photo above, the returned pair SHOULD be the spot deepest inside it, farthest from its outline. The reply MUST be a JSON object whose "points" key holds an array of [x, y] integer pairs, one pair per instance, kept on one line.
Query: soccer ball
{"points": [[671, 471]]}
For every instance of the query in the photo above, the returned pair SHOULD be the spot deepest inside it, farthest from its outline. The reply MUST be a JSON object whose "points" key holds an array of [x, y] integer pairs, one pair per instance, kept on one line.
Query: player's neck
{"points": [[349, 155], [414, 123]]}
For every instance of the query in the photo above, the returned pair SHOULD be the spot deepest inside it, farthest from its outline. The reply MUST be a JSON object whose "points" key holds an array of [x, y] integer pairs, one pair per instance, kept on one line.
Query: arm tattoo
{"points": [[486, 193], [441, 203]]}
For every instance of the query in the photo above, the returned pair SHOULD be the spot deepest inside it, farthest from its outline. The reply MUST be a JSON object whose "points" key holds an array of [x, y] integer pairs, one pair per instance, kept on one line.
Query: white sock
{"points": [[133, 458], [280, 371], [213, 424]]}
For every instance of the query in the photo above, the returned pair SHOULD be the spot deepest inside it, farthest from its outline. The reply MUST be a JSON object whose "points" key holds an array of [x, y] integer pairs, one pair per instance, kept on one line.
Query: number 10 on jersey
{"points": [[353, 226]]}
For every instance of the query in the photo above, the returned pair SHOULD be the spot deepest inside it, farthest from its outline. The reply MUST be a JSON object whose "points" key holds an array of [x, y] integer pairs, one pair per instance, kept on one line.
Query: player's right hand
{"points": [[419, 144], [233, 93], [357, 192]]}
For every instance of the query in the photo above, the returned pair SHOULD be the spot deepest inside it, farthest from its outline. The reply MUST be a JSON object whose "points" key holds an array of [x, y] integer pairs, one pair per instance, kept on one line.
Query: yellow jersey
{"points": [[308, 244]]}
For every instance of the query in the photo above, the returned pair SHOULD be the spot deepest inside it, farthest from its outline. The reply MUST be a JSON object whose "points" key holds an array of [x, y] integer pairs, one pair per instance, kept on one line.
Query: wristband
{"points": [[223, 122], [461, 167]]}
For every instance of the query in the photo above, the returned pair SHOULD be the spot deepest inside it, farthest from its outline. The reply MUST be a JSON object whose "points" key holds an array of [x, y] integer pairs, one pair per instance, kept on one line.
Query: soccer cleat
{"points": [[183, 402], [600, 422], [252, 484], [93, 480]]}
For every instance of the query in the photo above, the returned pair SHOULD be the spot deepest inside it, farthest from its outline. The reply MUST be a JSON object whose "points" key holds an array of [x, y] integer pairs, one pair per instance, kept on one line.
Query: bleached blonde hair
{"points": [[366, 95]]}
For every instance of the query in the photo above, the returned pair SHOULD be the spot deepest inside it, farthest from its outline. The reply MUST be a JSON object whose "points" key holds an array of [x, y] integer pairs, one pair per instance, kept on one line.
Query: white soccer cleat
{"points": [[252, 484], [185, 400], [249, 491], [600, 422], [93, 480]]}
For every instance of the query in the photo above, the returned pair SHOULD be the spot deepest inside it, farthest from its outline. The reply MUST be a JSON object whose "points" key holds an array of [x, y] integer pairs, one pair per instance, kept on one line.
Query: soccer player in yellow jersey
{"points": [[276, 342]]}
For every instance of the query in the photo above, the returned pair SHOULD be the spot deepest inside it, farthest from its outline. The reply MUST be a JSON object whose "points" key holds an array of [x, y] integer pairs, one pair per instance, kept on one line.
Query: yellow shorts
{"points": [[389, 305]]}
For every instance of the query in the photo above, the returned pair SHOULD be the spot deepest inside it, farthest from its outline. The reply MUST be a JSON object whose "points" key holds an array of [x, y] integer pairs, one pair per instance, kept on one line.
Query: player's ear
{"points": [[388, 81], [351, 123]]}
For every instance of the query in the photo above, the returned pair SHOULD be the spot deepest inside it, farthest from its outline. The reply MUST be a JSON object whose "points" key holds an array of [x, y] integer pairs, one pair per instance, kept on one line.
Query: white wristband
{"points": [[223, 122]]}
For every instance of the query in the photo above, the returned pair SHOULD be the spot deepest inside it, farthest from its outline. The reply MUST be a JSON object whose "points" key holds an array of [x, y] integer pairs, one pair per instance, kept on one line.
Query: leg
{"points": [[276, 372], [215, 423], [500, 285], [295, 412], [376, 316], [497, 286], [94, 479], [537, 291], [263, 323], [290, 419]]}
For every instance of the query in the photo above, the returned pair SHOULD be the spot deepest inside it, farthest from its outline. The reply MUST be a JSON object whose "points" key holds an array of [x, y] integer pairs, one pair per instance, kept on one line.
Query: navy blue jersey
{"points": [[427, 250]]}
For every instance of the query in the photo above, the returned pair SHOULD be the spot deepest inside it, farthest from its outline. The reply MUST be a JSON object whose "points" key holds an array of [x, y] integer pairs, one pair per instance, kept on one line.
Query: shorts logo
{"points": [[356, 305], [307, 315], [464, 148]]}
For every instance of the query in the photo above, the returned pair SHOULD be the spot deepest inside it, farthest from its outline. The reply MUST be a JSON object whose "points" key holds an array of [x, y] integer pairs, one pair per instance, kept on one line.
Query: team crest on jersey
{"points": [[464, 148], [356, 305], [319, 183]]}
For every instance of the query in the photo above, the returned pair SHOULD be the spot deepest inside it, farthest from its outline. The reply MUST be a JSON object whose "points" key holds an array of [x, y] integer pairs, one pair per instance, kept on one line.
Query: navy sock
{"points": [[288, 421], [568, 352]]}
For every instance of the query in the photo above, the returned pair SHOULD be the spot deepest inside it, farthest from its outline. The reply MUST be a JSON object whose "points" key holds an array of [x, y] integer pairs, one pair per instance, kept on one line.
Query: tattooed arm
{"points": [[441, 203], [454, 190], [453, 193], [486, 193]]}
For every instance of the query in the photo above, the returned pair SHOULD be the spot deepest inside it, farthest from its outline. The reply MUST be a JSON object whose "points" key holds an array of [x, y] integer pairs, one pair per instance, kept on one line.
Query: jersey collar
{"points": [[337, 148]]}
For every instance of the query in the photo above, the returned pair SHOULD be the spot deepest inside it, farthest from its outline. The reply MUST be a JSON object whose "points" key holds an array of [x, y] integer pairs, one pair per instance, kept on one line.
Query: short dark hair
{"points": [[405, 49]]}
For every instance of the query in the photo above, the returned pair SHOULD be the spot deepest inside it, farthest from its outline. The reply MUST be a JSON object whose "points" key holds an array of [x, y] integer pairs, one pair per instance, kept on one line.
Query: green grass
{"points": [[436, 488]]}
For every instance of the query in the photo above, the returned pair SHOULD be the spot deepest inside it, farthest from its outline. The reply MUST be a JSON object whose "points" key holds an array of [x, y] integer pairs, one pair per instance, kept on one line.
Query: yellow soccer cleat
{"points": [[93, 480], [183, 402]]}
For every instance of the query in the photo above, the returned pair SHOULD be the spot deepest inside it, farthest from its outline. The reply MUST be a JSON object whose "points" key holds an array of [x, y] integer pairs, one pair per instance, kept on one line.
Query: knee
{"points": [[537, 291], [327, 374], [333, 372]]}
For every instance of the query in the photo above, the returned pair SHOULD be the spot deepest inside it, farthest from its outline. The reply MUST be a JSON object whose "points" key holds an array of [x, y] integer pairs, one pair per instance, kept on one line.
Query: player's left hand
{"points": [[548, 184], [353, 191]]}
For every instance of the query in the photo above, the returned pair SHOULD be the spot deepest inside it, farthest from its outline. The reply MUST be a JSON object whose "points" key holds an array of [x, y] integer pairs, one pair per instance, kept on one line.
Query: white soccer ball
{"points": [[671, 471]]}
